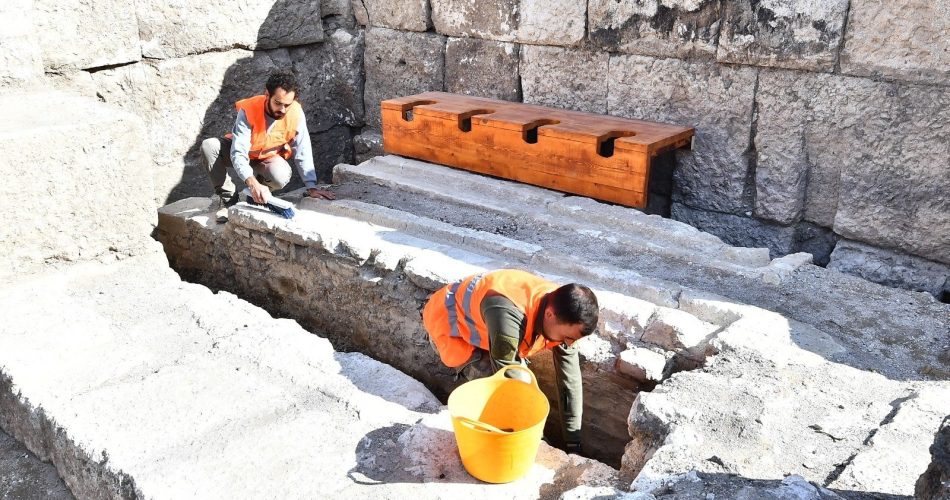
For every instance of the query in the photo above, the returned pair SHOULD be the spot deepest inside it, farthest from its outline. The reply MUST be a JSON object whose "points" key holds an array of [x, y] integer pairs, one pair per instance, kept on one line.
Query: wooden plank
{"points": [[603, 157]]}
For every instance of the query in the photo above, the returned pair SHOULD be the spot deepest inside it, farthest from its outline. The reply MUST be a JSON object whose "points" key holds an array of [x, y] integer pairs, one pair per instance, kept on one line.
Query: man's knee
{"points": [[276, 173], [210, 147]]}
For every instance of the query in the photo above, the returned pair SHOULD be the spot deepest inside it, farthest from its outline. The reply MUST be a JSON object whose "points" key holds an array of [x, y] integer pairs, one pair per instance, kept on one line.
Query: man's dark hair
{"points": [[283, 79], [573, 304]]}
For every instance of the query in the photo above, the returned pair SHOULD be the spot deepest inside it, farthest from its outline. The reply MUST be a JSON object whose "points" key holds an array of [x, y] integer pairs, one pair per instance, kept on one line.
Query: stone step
{"points": [[136, 384], [643, 233]]}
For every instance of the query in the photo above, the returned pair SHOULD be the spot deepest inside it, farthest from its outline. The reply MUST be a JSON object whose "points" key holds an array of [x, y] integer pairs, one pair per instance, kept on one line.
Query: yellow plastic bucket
{"points": [[498, 425]]}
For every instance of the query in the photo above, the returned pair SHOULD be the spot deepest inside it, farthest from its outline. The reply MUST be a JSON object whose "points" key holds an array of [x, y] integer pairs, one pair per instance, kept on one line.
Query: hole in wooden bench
{"points": [[530, 133], [465, 119], [605, 144], [407, 109]]}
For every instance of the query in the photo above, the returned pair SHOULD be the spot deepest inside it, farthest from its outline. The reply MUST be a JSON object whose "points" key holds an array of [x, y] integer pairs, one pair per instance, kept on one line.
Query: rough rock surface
{"points": [[901, 40], [80, 221], [557, 22], [208, 396], [178, 29], [890, 268], [934, 484], [739, 230], [409, 15], [331, 80], [717, 100], [780, 410], [482, 68], [564, 78], [367, 145], [659, 28], [79, 35], [25, 477], [20, 58], [840, 151], [397, 64], [801, 34]]}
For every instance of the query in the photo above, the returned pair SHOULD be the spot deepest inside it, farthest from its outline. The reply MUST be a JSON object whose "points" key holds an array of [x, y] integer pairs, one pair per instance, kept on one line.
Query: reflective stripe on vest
{"points": [[450, 303]]}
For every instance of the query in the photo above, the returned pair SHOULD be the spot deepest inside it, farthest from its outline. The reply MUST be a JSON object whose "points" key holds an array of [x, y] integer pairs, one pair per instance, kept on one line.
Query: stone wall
{"points": [[816, 122]]}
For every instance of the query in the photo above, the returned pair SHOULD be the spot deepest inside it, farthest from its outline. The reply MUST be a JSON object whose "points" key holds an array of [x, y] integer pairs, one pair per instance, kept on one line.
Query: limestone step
{"points": [[136, 384], [85, 191], [641, 232]]}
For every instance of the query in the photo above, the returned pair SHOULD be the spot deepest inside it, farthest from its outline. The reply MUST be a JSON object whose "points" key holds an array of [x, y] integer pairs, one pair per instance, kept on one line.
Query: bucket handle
{"points": [[482, 425], [501, 373]]}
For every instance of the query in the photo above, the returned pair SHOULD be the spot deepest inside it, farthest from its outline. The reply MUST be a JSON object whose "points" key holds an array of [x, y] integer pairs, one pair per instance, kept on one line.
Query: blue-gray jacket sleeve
{"points": [[241, 147], [303, 154]]}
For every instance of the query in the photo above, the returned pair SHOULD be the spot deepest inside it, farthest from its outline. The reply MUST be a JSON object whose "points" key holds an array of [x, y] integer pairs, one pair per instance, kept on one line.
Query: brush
{"points": [[280, 207]]}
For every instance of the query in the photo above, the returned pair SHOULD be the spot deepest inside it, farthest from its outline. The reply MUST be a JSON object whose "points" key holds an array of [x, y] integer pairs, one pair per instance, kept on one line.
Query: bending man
{"points": [[486, 321], [269, 130]]}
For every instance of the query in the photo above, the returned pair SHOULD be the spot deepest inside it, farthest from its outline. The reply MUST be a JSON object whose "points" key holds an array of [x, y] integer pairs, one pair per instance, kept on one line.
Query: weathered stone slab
{"points": [[778, 411], [86, 34], [23, 476], [935, 482], [557, 22], [337, 14], [482, 68], [20, 57], [738, 230], [408, 15], [874, 156], [679, 332], [890, 268], [397, 64], [367, 145], [174, 29], [641, 364], [801, 34], [660, 28], [551, 22], [331, 80], [52, 220], [901, 40], [715, 99], [897, 197], [564, 78]]}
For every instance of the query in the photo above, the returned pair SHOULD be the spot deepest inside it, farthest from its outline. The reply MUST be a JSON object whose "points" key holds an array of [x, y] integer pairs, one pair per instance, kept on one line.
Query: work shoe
{"points": [[225, 200]]}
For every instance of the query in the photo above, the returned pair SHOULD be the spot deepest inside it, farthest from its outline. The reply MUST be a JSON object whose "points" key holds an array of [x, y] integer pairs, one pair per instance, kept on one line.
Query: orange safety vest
{"points": [[453, 315], [276, 141]]}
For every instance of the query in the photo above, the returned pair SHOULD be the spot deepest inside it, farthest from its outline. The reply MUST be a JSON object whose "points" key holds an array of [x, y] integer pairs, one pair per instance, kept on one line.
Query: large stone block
{"points": [[737, 230], [554, 22], [20, 58], [397, 64], [409, 15], [564, 78], [84, 195], [717, 100], [935, 481], [86, 34], [482, 68], [903, 40], [667, 28], [175, 29], [331, 79], [799, 34], [866, 158], [890, 268], [180, 114]]}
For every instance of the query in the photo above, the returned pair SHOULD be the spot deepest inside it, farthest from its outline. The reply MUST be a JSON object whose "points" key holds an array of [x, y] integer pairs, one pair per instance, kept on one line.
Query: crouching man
{"points": [[484, 322]]}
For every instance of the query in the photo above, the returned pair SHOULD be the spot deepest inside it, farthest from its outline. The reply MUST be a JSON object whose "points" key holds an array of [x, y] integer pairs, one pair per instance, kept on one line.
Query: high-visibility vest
{"points": [[453, 314], [276, 141]]}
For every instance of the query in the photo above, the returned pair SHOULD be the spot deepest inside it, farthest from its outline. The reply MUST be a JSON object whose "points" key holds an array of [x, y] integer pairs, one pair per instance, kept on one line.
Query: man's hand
{"points": [[320, 193], [259, 192]]}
